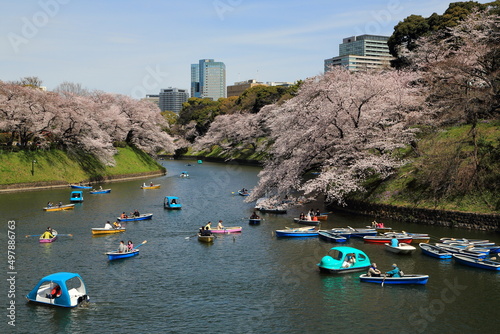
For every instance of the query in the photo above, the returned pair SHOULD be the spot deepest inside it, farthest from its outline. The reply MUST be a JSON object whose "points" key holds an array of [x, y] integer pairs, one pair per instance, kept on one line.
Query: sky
{"points": [[137, 47]]}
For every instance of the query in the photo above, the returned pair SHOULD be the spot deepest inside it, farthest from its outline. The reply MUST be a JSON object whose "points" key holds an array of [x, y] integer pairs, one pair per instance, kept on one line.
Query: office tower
{"points": [[172, 99], [208, 79]]}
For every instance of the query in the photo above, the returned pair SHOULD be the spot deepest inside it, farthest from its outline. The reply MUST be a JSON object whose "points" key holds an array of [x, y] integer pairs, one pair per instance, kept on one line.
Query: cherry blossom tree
{"points": [[348, 125]]}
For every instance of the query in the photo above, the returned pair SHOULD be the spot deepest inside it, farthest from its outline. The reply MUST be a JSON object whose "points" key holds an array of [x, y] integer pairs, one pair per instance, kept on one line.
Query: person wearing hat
{"points": [[394, 272]]}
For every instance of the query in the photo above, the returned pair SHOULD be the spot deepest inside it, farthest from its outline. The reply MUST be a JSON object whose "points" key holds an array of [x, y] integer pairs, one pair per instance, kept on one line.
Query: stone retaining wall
{"points": [[453, 219]]}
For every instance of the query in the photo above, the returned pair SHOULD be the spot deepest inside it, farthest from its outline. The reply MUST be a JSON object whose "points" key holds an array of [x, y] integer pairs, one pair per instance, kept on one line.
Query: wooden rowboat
{"points": [[406, 279], [154, 186], [102, 230], [59, 208], [402, 248], [206, 238], [116, 255], [231, 229], [322, 217]]}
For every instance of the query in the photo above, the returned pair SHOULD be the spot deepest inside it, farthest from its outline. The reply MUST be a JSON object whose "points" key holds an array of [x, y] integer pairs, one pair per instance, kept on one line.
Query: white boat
{"points": [[402, 248]]}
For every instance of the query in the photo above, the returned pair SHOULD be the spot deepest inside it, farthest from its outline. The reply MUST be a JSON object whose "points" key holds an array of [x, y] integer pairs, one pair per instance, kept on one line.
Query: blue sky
{"points": [[137, 47]]}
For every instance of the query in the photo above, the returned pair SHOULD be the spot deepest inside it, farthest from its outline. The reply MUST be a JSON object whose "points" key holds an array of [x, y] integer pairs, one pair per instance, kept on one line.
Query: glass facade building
{"points": [[208, 79], [171, 99]]}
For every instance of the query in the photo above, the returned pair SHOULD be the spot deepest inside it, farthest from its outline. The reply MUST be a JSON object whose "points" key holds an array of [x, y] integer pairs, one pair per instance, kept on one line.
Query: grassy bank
{"points": [[59, 166]]}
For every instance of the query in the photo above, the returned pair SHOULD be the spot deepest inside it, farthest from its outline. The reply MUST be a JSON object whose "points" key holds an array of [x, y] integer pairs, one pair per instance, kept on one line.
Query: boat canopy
{"points": [[72, 290]]}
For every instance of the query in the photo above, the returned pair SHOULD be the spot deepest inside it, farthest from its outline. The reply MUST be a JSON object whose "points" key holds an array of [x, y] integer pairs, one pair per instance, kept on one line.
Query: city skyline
{"points": [[136, 48]]}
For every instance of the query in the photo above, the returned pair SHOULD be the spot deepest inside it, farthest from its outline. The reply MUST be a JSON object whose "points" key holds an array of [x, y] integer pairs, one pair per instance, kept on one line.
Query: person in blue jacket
{"points": [[394, 241], [394, 272]]}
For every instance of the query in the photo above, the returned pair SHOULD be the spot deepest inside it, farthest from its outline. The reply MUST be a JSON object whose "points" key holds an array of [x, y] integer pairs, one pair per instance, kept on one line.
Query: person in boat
{"points": [[206, 232], [314, 218], [173, 201], [49, 204], [349, 261], [302, 216], [254, 216], [47, 234], [136, 213], [122, 248], [219, 225], [395, 272], [55, 292], [373, 271], [123, 215], [208, 226], [308, 216], [318, 213], [151, 184], [374, 224], [130, 245], [117, 225], [60, 204], [144, 184], [108, 225], [394, 241]]}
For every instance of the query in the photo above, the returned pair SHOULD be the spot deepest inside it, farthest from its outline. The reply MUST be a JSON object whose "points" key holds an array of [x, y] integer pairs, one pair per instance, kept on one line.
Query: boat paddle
{"points": [[383, 280], [142, 243], [33, 235]]}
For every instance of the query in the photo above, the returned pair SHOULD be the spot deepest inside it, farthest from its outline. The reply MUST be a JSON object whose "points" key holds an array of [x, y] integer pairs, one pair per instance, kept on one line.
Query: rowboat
{"points": [[402, 248], [381, 239], [343, 232], [464, 240], [417, 238], [243, 193], [154, 186], [305, 222], [115, 255], [172, 203], [54, 233], [297, 232], [232, 229], [254, 221], [361, 232], [206, 238], [60, 289], [59, 208], [476, 262], [330, 237], [406, 279], [276, 210], [433, 251], [76, 196], [76, 186], [144, 216], [344, 260], [100, 191], [456, 250], [102, 230], [184, 174]]}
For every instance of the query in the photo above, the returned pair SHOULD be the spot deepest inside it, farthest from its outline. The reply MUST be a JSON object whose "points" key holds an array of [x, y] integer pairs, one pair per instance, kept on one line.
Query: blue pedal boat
{"points": [[144, 216], [172, 203], [116, 255], [406, 279], [76, 196], [344, 260], [60, 289]]}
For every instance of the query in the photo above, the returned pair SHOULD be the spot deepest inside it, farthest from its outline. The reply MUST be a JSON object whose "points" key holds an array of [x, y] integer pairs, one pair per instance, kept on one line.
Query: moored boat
{"points": [[229, 229], [433, 251], [102, 230], [305, 221], [402, 248], [277, 210], [60, 289], [59, 207], [476, 262], [362, 232], [322, 217], [457, 250], [417, 238], [206, 238], [172, 203], [297, 232], [344, 260], [331, 237], [48, 240], [406, 279], [100, 191], [381, 239], [115, 255], [143, 216]]}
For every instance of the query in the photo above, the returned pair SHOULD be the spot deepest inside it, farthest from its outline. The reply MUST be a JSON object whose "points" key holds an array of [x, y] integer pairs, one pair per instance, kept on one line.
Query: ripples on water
{"points": [[243, 283]]}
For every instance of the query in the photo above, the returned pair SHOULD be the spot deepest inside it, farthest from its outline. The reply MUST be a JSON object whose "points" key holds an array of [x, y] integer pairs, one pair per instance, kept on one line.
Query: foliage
{"points": [[87, 123]]}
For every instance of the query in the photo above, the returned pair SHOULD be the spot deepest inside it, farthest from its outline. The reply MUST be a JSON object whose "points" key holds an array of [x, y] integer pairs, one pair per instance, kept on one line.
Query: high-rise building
{"points": [[362, 53], [208, 79], [171, 99], [154, 98]]}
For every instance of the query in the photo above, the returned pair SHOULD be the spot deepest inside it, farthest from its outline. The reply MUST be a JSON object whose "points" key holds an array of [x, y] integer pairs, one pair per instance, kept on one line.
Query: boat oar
{"points": [[142, 243], [33, 235], [383, 280], [64, 235]]}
